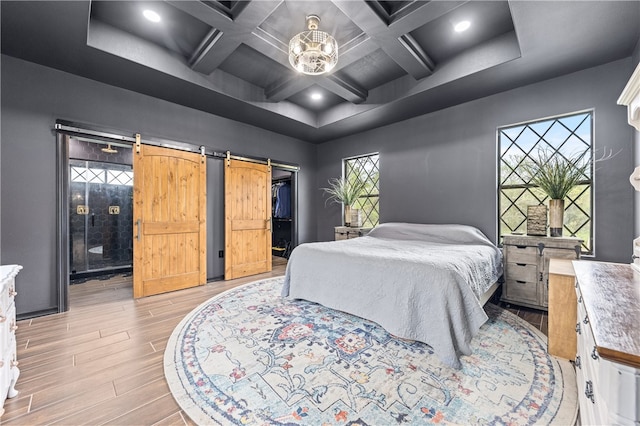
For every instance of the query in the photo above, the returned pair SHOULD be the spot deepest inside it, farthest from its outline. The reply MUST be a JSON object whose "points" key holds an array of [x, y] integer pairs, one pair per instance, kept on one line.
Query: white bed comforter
{"points": [[419, 282]]}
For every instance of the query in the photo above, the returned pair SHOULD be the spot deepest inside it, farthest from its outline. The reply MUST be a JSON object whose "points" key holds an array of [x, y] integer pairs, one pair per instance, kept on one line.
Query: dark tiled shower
{"points": [[100, 209]]}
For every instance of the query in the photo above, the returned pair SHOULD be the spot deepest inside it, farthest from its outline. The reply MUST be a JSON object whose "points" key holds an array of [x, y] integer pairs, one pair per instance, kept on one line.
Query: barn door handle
{"points": [[269, 223], [138, 227]]}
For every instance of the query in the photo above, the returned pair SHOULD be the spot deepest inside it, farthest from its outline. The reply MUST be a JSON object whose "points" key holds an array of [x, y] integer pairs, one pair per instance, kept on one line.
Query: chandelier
{"points": [[313, 52]]}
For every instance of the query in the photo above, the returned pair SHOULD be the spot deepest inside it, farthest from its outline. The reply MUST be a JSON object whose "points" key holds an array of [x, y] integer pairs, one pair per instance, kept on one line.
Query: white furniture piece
{"points": [[630, 97], [526, 266], [346, 232], [9, 371], [608, 335]]}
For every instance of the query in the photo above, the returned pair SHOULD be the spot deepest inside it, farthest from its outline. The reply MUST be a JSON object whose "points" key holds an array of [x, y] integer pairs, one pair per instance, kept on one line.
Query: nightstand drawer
{"points": [[522, 254], [522, 291], [521, 272]]}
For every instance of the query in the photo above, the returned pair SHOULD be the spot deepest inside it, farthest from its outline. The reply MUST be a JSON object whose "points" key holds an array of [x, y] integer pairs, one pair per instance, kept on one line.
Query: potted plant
{"points": [[556, 175], [341, 190]]}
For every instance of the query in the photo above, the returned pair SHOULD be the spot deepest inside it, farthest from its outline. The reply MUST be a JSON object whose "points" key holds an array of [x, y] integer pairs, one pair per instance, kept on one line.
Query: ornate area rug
{"points": [[248, 356]]}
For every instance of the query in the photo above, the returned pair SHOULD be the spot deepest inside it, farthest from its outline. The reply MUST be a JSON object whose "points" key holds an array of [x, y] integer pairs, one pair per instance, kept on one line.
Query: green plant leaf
{"points": [[555, 174], [340, 190]]}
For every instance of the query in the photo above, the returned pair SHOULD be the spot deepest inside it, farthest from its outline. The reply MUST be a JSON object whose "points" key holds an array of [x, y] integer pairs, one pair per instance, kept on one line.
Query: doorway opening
{"points": [[100, 201], [283, 213]]}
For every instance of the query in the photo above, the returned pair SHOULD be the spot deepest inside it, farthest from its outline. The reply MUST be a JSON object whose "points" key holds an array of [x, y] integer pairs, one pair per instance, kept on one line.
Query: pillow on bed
{"points": [[446, 234]]}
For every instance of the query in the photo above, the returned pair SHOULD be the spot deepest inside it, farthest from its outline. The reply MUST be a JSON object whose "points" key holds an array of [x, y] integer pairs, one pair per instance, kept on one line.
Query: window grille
{"points": [[566, 136], [366, 168], [92, 175]]}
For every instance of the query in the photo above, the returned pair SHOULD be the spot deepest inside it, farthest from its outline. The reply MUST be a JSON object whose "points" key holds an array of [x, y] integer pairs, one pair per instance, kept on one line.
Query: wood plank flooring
{"points": [[101, 362]]}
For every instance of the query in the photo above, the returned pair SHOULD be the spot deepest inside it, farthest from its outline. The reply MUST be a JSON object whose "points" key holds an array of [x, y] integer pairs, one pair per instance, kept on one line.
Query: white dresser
{"points": [[9, 371], [608, 337]]}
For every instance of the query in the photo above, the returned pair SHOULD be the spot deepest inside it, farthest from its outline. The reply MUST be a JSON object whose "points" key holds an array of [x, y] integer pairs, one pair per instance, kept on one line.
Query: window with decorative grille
{"points": [[567, 136], [365, 168]]}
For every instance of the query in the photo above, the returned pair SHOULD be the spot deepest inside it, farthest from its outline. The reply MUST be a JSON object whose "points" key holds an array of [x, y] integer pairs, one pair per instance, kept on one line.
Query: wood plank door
{"points": [[247, 206], [169, 211]]}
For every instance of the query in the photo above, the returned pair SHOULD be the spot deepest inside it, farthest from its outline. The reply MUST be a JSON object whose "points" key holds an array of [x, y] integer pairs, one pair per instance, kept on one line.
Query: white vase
{"points": [[347, 215], [556, 217]]}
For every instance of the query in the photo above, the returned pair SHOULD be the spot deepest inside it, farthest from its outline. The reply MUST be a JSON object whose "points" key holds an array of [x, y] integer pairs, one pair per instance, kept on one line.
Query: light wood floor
{"points": [[101, 362]]}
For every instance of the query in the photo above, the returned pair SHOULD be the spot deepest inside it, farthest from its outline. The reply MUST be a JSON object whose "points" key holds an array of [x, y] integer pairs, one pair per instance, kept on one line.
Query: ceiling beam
{"points": [[288, 87], [393, 37], [345, 89], [231, 31], [412, 18]]}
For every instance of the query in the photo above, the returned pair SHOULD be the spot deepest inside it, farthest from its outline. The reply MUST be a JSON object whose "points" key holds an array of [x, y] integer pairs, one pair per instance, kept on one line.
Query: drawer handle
{"points": [[521, 264], [521, 247], [588, 392], [578, 328], [521, 282], [586, 320], [594, 353], [578, 362]]}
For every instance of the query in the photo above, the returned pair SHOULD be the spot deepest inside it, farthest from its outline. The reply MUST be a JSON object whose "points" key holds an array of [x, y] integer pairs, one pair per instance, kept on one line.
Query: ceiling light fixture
{"points": [[316, 96], [151, 15], [462, 26], [313, 52]]}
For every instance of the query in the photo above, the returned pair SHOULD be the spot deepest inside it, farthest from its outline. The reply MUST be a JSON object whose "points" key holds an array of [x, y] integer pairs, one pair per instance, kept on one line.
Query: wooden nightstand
{"points": [[562, 309], [526, 266], [346, 232]]}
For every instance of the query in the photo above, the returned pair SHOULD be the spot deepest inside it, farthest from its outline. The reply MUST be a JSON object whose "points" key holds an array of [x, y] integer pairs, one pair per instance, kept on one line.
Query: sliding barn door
{"points": [[169, 211], [247, 205]]}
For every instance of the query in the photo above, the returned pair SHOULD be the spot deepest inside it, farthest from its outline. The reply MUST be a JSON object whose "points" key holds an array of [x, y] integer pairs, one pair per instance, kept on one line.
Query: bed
{"points": [[418, 281]]}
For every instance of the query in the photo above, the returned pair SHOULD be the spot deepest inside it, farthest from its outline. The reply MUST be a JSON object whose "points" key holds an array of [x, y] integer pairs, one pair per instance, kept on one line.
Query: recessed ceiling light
{"points": [[316, 96], [462, 26], [151, 15]]}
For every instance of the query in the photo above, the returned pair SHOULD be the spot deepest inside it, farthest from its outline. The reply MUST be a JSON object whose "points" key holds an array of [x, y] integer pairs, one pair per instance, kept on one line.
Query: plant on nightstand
{"points": [[556, 175], [343, 191]]}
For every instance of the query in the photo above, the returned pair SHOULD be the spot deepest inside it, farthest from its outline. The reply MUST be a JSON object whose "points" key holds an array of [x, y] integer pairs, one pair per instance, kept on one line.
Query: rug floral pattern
{"points": [[250, 357]]}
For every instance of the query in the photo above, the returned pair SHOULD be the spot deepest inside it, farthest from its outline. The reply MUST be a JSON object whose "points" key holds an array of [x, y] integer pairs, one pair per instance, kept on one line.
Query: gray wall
{"points": [[33, 97], [442, 167]]}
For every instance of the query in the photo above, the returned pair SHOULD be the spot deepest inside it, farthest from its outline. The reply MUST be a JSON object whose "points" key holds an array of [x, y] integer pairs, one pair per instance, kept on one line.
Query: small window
{"points": [[567, 136], [366, 169]]}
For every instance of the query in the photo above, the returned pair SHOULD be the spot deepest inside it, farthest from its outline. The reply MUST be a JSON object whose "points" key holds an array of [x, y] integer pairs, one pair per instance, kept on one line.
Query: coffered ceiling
{"points": [[397, 59]]}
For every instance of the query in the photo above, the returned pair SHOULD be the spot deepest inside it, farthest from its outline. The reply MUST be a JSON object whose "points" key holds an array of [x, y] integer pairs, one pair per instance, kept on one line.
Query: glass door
{"points": [[100, 216]]}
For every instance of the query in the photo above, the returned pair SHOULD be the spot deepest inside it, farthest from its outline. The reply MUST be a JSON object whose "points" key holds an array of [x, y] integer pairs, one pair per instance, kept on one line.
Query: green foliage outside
{"points": [[517, 192]]}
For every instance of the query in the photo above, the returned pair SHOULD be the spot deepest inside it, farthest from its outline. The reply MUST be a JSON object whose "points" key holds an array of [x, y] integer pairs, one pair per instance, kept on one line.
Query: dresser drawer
{"points": [[621, 384], [8, 331], [591, 406], [521, 272], [521, 254], [523, 291], [341, 236]]}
